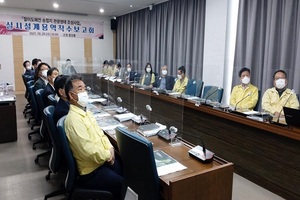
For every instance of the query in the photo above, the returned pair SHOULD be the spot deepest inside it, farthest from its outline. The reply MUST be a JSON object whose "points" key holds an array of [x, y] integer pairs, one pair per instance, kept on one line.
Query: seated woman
{"points": [[149, 77], [245, 95]]}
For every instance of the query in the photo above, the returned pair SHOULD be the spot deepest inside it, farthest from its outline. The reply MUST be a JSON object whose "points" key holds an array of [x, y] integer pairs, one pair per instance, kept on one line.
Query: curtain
{"points": [[268, 40], [171, 34]]}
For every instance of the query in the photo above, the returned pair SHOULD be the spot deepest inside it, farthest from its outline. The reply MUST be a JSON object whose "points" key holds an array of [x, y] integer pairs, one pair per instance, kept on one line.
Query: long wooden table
{"points": [[263, 153]]}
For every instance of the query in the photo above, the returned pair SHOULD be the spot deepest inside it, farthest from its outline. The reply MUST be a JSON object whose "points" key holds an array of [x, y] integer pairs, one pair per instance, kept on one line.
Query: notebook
{"points": [[292, 116]]}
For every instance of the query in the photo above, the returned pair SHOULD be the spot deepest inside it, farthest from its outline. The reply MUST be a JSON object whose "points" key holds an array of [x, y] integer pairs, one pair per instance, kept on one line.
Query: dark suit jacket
{"points": [[47, 91], [39, 84], [134, 76], [170, 80], [61, 109]]}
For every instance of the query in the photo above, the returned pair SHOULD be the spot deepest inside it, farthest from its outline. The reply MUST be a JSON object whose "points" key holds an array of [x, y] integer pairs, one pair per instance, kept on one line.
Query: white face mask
{"points": [[28, 67], [246, 80], [148, 69], [280, 83], [44, 73], [83, 99], [53, 79], [179, 76], [164, 72], [129, 69]]}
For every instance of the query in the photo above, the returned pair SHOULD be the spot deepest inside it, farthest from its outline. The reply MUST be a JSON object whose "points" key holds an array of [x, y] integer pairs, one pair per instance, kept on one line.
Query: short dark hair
{"points": [[24, 63], [244, 69], [34, 61], [119, 65], [36, 72], [182, 69], [69, 84], [111, 62], [50, 71], [68, 60], [280, 70], [105, 62], [59, 83]]}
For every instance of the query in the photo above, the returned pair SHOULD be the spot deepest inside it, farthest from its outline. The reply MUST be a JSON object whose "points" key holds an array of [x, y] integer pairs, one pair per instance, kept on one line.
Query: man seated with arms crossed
{"points": [[245, 95], [94, 154], [278, 96], [181, 82], [164, 81]]}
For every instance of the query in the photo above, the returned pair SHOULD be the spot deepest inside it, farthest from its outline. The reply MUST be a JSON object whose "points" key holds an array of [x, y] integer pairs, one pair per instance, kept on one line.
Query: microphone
{"points": [[107, 97], [249, 94], [211, 94], [292, 92], [200, 152], [166, 134], [121, 109]]}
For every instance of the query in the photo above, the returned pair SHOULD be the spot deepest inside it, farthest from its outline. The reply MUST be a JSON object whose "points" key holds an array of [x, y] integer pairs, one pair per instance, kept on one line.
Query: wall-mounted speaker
{"points": [[113, 24]]}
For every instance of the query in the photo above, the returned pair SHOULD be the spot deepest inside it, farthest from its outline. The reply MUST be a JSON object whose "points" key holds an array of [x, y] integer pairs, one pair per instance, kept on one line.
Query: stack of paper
{"points": [[124, 117], [108, 123], [150, 129]]}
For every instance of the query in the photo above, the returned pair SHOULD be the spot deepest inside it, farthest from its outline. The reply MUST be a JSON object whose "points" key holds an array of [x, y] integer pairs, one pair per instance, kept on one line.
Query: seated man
{"points": [[63, 105], [245, 95], [181, 82], [130, 75], [28, 69], [49, 89], [92, 150], [68, 69], [278, 96], [164, 81], [41, 74]]}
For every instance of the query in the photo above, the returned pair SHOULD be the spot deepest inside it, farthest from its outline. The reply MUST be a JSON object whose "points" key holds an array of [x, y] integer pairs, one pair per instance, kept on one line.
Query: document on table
{"points": [[165, 164], [108, 123]]}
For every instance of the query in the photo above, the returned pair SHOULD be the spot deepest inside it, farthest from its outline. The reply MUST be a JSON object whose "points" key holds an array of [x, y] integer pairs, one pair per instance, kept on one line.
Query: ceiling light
{"points": [[1, 1], [101, 10], [55, 5], [130, 6]]}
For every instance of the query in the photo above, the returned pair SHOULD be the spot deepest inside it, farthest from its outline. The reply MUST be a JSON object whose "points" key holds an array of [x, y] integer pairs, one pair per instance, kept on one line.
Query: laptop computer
{"points": [[292, 116]]}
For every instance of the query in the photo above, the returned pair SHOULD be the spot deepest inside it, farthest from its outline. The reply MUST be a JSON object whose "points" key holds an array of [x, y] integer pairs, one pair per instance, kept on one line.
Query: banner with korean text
{"points": [[50, 26]]}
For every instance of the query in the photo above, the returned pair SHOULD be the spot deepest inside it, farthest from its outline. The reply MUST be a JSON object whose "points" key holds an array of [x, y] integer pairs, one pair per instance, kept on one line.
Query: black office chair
{"points": [[194, 87], [258, 101], [212, 93], [73, 190], [140, 172], [52, 100], [56, 163], [34, 111], [27, 108]]}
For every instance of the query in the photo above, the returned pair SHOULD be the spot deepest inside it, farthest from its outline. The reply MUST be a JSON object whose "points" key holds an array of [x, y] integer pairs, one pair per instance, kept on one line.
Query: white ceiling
{"points": [[90, 7]]}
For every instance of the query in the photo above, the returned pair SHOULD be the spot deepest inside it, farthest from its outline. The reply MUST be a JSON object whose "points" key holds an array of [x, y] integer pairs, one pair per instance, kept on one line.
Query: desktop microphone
{"points": [[292, 92], [212, 94], [107, 98], [121, 109], [249, 94], [166, 134], [200, 152]]}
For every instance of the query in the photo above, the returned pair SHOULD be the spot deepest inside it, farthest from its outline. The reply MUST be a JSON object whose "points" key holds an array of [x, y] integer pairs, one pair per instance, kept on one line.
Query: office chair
{"points": [[34, 111], [52, 100], [27, 108], [212, 93], [140, 172], [73, 190], [256, 107], [194, 87], [55, 162]]}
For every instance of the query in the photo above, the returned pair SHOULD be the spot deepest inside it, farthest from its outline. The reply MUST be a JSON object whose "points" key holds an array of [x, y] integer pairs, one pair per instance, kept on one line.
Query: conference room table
{"points": [[264, 153], [8, 119]]}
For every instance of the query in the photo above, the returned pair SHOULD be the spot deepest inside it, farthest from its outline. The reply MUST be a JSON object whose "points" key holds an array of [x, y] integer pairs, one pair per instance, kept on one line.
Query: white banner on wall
{"points": [[52, 27]]}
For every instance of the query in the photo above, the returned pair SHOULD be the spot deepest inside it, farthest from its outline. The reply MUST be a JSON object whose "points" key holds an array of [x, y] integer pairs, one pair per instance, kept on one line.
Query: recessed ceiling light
{"points": [[55, 5], [1, 1], [101, 10], [130, 6]]}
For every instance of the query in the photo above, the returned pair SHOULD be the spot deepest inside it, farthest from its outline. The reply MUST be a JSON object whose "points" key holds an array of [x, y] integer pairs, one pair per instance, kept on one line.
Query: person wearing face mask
{"points": [[278, 96], [181, 82], [62, 107], [49, 89], [28, 69], [41, 72], [130, 75], [149, 77], [245, 95], [92, 150], [164, 81]]}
